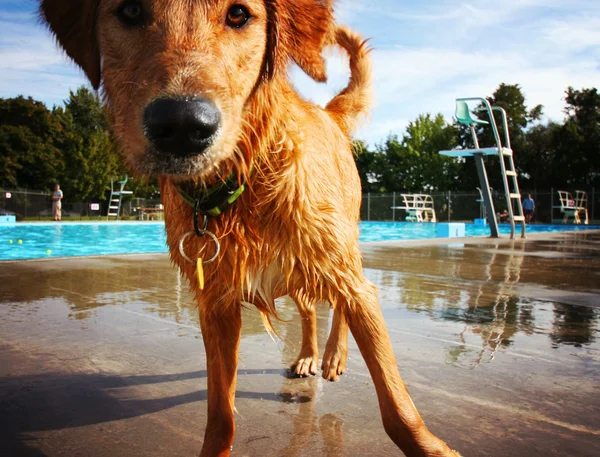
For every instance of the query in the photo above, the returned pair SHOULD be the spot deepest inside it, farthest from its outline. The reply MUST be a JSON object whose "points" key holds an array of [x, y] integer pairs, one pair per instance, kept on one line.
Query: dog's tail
{"points": [[352, 103]]}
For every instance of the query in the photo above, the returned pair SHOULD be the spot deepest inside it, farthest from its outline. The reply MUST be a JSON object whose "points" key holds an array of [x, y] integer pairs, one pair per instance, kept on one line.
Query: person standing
{"points": [[57, 203], [528, 208]]}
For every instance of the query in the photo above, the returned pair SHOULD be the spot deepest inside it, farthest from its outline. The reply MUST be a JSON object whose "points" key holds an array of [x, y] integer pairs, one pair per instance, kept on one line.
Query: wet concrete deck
{"points": [[497, 342]]}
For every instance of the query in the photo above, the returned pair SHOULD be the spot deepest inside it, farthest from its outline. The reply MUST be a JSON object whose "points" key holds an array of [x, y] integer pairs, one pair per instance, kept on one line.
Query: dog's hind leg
{"points": [[336, 350], [308, 359], [401, 419], [221, 328]]}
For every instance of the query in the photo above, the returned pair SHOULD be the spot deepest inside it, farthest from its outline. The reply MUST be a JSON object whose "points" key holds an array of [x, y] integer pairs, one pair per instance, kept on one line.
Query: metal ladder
{"points": [[116, 197], [509, 175]]}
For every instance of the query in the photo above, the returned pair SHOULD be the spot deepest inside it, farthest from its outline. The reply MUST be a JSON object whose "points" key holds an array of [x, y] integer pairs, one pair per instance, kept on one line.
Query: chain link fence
{"points": [[30, 205], [467, 206]]}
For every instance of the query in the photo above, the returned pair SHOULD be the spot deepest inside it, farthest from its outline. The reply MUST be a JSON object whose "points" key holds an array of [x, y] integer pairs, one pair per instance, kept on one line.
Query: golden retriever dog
{"points": [[260, 190]]}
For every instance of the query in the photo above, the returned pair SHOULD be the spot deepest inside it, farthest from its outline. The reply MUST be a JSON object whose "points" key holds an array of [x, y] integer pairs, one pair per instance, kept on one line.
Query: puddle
{"points": [[497, 334]]}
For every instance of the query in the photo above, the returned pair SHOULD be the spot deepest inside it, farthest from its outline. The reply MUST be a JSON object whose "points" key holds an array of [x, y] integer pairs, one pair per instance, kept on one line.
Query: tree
{"points": [[519, 119], [580, 137], [396, 165], [541, 165], [29, 133], [511, 98], [102, 160], [367, 165], [70, 145], [87, 147], [13, 144], [423, 140], [413, 163]]}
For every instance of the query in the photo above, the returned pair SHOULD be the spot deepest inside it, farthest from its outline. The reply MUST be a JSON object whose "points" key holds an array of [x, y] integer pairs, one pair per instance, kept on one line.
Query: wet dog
{"points": [[260, 190]]}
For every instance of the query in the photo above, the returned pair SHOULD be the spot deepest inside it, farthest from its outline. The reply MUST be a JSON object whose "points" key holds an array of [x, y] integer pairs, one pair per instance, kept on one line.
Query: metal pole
{"points": [[552, 205], [593, 200], [394, 207], [368, 206], [449, 205], [487, 196]]}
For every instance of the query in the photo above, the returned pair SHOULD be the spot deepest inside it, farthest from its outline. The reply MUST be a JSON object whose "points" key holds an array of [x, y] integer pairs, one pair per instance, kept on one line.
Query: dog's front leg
{"points": [[306, 363], [221, 328]]}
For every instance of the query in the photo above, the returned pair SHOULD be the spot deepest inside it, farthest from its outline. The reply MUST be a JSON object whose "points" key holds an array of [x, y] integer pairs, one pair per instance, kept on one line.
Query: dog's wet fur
{"points": [[198, 90]]}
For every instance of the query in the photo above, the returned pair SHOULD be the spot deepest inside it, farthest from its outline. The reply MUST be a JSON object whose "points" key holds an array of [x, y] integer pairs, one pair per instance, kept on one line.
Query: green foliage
{"points": [[412, 163], [73, 146], [566, 155], [538, 161], [520, 119], [29, 156], [430, 171], [582, 132], [546, 156], [370, 167], [88, 148], [69, 145]]}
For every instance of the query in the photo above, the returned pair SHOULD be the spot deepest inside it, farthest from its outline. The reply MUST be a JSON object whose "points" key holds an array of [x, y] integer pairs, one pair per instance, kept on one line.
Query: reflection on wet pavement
{"points": [[497, 341]]}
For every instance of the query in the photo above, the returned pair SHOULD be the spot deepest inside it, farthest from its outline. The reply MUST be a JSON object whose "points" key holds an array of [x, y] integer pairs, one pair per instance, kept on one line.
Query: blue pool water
{"points": [[46, 240], [385, 231], [80, 239]]}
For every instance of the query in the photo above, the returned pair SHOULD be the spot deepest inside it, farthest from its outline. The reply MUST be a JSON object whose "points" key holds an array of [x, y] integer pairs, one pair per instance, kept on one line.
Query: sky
{"points": [[426, 53]]}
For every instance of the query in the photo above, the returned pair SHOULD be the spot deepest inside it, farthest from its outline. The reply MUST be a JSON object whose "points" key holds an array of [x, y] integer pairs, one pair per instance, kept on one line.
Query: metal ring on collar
{"points": [[192, 232], [197, 230]]}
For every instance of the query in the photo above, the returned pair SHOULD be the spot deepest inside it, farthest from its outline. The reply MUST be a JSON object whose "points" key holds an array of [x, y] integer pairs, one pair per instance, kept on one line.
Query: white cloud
{"points": [[30, 62], [579, 34], [470, 48]]}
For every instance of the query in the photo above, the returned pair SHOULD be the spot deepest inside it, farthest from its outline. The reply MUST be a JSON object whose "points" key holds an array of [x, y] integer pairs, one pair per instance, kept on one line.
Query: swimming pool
{"points": [[46, 240], [385, 231], [43, 240]]}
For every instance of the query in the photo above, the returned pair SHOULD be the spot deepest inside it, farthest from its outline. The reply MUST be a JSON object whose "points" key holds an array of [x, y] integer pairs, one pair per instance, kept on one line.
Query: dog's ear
{"points": [[299, 29], [73, 22]]}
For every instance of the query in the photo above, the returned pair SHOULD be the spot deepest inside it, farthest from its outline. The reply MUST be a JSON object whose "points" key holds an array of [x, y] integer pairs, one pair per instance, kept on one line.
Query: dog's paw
{"points": [[334, 364], [304, 366]]}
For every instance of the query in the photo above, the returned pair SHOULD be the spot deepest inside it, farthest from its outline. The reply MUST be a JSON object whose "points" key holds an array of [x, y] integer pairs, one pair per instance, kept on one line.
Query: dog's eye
{"points": [[131, 13], [237, 16]]}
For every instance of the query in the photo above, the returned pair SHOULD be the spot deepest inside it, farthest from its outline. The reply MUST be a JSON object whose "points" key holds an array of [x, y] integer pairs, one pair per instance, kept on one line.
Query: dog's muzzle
{"points": [[181, 126]]}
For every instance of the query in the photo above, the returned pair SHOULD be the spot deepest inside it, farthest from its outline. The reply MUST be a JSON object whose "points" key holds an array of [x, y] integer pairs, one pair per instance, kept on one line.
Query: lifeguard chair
{"points": [[572, 207], [419, 207], [117, 190], [507, 165]]}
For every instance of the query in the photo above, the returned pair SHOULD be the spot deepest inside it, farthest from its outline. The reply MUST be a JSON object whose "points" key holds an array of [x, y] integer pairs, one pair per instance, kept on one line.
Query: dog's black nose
{"points": [[179, 126]]}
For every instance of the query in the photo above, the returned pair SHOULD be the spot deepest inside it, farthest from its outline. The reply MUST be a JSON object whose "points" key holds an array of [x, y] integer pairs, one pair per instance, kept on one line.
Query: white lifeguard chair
{"points": [[419, 207], [503, 151], [572, 207], [116, 197]]}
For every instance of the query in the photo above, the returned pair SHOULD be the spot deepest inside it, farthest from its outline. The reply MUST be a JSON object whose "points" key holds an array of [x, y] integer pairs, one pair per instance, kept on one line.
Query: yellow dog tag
{"points": [[200, 273]]}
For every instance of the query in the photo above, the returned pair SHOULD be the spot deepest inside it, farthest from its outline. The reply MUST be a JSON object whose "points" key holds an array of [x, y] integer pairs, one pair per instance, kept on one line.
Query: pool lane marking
{"points": [[456, 343]]}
